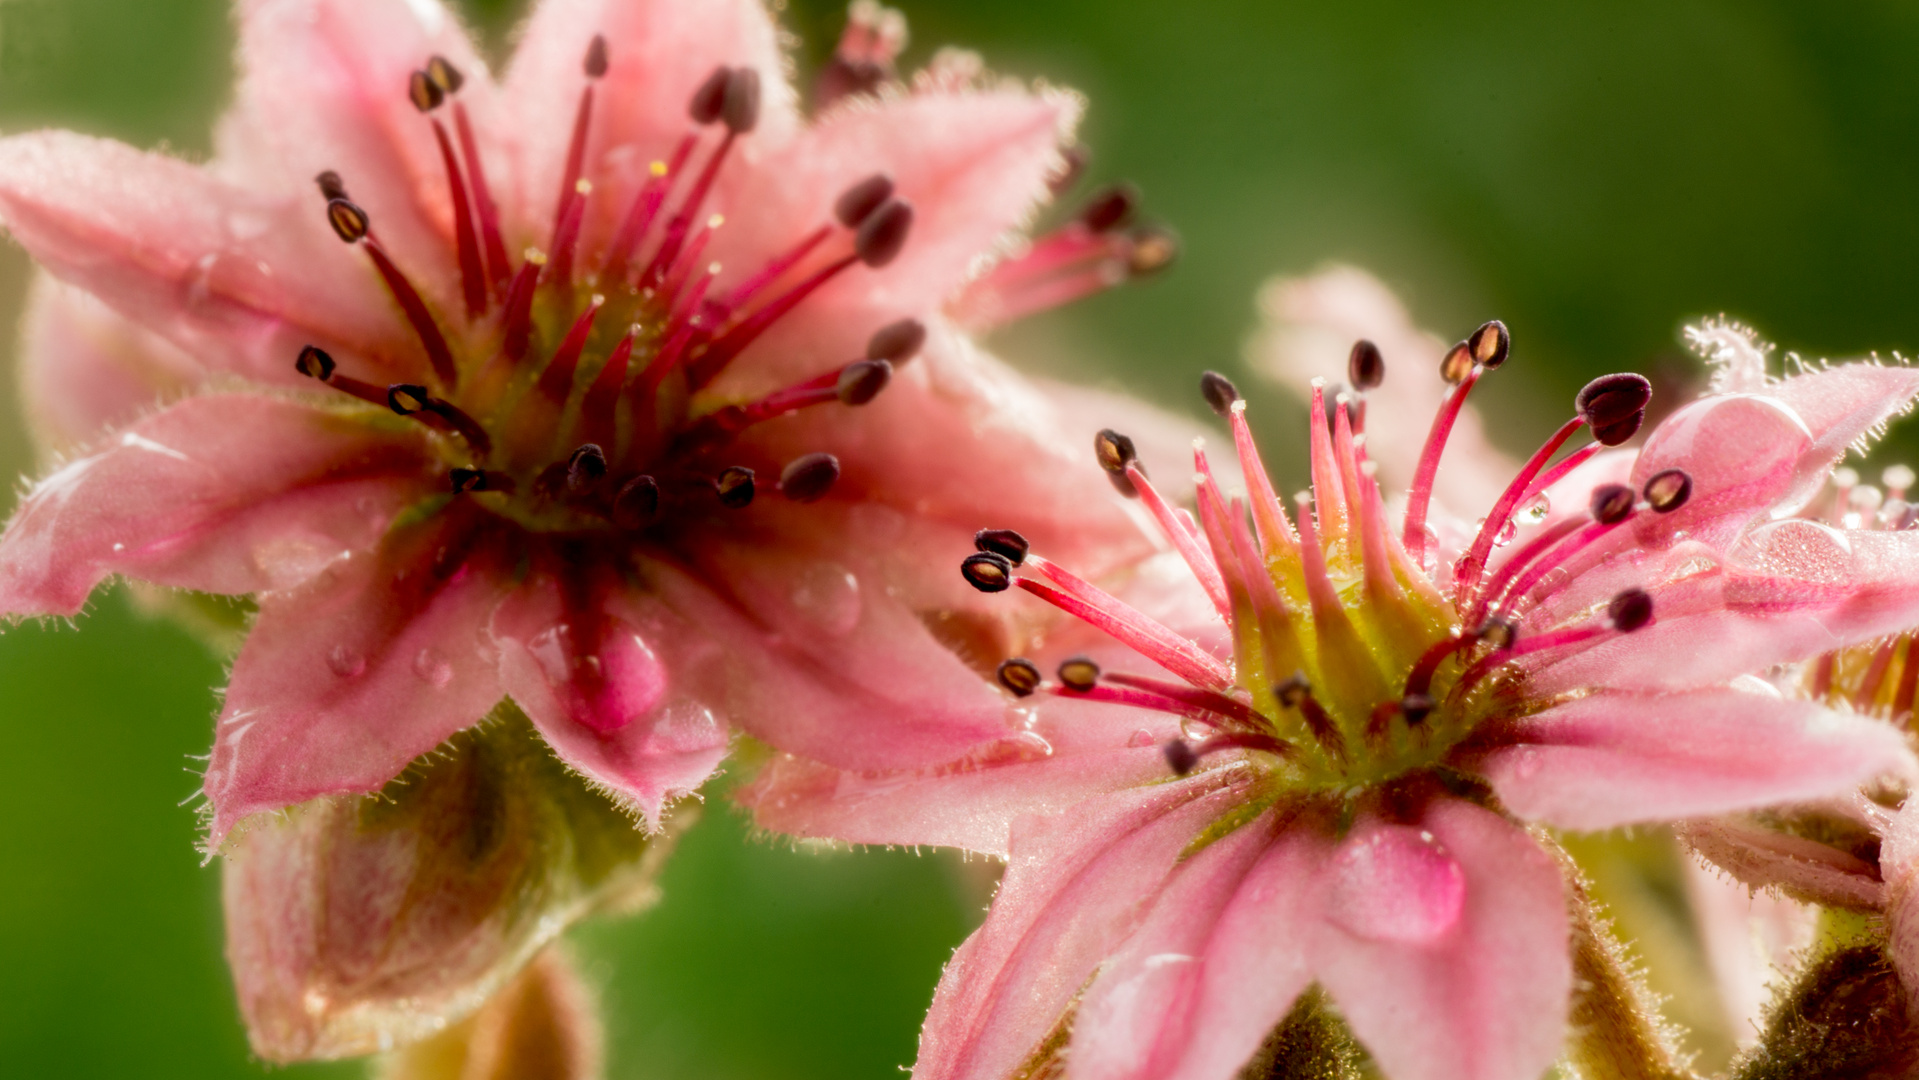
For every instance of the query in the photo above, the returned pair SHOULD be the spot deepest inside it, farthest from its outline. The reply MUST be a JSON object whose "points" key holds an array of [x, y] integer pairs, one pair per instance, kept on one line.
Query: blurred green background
{"points": [[1592, 174]]}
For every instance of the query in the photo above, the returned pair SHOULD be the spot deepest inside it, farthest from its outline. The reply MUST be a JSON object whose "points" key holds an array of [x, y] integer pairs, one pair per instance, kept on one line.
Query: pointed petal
{"points": [[603, 696], [1807, 870], [323, 85], [658, 53], [973, 165], [1845, 405], [237, 279], [229, 493], [1465, 985], [1215, 966], [85, 369], [344, 681], [1076, 886], [1616, 758]]}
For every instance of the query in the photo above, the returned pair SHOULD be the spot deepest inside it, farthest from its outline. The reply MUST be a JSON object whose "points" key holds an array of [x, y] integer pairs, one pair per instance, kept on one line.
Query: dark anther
{"points": [[1154, 249], [1114, 452], [1457, 365], [1365, 367], [1630, 610], [1019, 675], [987, 571], [348, 221], [1668, 491], [858, 202], [862, 380], [1110, 208], [407, 398], [735, 487], [1416, 707], [897, 342], [1180, 756], [331, 186], [595, 63], [1219, 392], [1619, 430], [740, 105], [585, 467], [1293, 691], [1491, 344], [465, 480], [1612, 503], [445, 75], [1074, 160], [710, 98], [1005, 543], [809, 477], [637, 503], [883, 233], [425, 94], [1079, 673], [1613, 397], [1498, 633], [314, 363]]}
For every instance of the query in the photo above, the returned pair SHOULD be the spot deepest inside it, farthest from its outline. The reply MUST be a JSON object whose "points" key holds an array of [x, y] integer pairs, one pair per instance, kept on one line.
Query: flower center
{"points": [[567, 398], [1351, 663]]}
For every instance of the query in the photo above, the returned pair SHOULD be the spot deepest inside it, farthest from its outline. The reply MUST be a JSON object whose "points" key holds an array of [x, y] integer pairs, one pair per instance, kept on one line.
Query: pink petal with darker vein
{"points": [[345, 681], [236, 278], [1459, 969], [1618, 758], [229, 493]]}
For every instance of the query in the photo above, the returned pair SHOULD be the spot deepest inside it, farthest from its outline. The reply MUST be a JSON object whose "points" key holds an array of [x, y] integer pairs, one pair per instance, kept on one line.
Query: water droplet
{"points": [[1142, 737], [1536, 513], [1797, 548], [346, 663], [827, 595], [1506, 533], [118, 547], [433, 668], [1021, 746], [1396, 883], [605, 689], [1429, 551]]}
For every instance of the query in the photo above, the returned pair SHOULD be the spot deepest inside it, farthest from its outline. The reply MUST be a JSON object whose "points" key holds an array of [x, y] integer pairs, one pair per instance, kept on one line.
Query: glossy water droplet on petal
{"points": [[433, 668], [346, 662], [1536, 513], [1798, 548], [1506, 533], [608, 688], [1395, 883], [1140, 738], [827, 595]]}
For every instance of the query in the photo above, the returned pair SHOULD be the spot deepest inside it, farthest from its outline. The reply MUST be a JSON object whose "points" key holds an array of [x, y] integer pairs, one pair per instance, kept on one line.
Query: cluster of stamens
{"points": [[1881, 678], [1351, 662]]}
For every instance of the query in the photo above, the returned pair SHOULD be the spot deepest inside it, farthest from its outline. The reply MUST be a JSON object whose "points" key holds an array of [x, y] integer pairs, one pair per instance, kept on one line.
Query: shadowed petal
{"points": [[1807, 870], [1616, 758], [229, 493], [595, 684], [1076, 886], [345, 681], [238, 279], [1458, 969]]}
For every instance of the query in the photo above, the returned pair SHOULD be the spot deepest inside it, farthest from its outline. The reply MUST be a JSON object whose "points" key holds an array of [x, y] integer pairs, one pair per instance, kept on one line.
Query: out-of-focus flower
{"points": [[1332, 787], [556, 388]]}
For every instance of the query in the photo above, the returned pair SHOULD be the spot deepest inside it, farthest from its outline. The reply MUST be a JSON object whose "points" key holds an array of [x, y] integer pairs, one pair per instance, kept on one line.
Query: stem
{"points": [[1616, 1032]]}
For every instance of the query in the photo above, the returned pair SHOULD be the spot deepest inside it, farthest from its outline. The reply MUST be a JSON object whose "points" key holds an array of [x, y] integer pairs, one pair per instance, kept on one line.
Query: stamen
{"points": [[1005, 543], [809, 477], [897, 342], [1020, 676], [315, 363], [352, 226], [735, 487], [331, 186], [729, 95], [1180, 756], [1668, 491], [637, 503], [1110, 207], [410, 399], [585, 469], [1181, 538], [1199, 702], [1115, 452], [1615, 406], [464, 480], [646, 205], [1459, 369], [1297, 693], [428, 89], [1079, 673], [557, 380], [1182, 759], [771, 272], [1145, 635], [1219, 392], [858, 202], [1629, 611], [1365, 366]]}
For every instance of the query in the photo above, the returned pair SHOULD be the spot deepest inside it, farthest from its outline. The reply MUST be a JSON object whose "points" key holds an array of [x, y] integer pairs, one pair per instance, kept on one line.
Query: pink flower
{"points": [[1333, 786], [557, 388]]}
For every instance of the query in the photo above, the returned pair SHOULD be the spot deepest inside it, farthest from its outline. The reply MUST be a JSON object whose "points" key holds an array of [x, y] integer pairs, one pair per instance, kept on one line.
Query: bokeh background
{"points": [[1592, 174]]}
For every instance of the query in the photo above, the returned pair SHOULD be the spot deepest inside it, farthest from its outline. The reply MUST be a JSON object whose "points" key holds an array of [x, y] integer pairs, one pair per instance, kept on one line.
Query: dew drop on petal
{"points": [[1536, 513], [1139, 738], [827, 595], [1798, 548], [346, 662], [1395, 883], [433, 668], [606, 689], [1015, 748]]}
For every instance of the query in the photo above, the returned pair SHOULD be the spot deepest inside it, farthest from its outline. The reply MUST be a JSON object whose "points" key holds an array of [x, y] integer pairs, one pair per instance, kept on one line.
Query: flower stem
{"points": [[1616, 1032]]}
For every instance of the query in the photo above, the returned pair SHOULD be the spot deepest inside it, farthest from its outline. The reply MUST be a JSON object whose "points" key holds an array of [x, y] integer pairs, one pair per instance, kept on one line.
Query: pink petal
{"points": [[1479, 995], [344, 681], [85, 369], [237, 278], [1076, 886], [229, 493], [1803, 869], [323, 85], [1847, 403], [658, 53], [820, 658], [603, 697], [1215, 966], [974, 166], [1618, 758]]}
